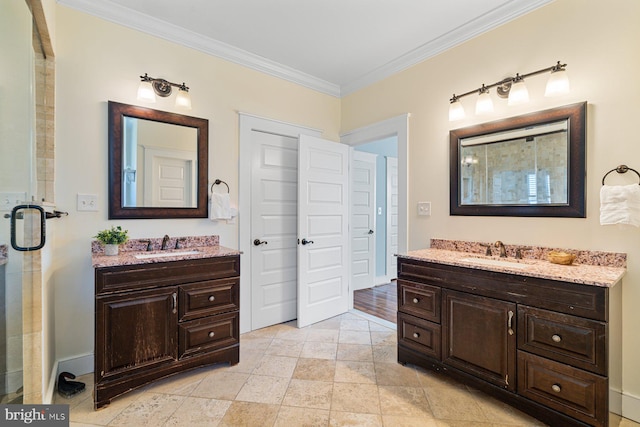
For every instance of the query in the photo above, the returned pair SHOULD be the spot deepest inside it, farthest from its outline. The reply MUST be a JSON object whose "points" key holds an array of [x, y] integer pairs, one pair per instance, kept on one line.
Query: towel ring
{"points": [[621, 169], [218, 182]]}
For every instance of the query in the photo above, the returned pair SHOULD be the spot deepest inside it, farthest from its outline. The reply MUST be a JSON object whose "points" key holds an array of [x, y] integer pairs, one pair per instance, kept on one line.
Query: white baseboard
{"points": [[77, 365], [10, 381], [631, 407], [615, 401]]}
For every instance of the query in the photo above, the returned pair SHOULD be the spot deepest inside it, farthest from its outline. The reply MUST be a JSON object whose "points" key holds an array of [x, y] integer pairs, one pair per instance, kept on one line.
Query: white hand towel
{"points": [[620, 204], [220, 206]]}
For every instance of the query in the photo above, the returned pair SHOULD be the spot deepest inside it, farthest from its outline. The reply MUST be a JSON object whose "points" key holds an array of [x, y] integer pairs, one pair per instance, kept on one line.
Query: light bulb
{"points": [[456, 110], [145, 92], [558, 83]]}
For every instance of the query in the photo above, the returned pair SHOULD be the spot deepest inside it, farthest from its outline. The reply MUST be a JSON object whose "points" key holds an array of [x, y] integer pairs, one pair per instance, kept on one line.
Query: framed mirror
{"points": [[157, 164], [529, 165]]}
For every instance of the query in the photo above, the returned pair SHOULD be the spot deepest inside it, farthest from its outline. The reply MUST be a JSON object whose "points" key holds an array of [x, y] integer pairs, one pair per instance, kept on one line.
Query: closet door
{"points": [[323, 233]]}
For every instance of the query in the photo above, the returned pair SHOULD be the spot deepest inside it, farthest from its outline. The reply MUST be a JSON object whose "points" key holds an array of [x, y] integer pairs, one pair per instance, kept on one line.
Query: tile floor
{"points": [[340, 372]]}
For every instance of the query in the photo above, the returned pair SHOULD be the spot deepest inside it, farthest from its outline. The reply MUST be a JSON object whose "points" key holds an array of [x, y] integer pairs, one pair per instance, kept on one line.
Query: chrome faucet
{"points": [[165, 241], [503, 252]]}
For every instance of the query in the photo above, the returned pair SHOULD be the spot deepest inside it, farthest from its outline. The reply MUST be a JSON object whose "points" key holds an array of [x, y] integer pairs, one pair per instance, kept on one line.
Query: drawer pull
{"points": [[211, 334], [556, 338], [416, 335], [212, 298], [416, 300], [556, 388]]}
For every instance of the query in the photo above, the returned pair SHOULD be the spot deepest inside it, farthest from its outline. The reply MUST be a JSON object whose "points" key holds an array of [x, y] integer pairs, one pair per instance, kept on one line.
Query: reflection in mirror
{"points": [[516, 167], [157, 163], [532, 165]]}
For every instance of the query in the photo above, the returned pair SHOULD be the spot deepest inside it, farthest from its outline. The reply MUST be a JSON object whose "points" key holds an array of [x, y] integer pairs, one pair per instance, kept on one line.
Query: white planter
{"points": [[111, 249]]}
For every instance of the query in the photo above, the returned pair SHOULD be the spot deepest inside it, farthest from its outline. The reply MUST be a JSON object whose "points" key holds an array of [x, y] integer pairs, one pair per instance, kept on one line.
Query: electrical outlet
{"points": [[87, 202], [424, 208]]}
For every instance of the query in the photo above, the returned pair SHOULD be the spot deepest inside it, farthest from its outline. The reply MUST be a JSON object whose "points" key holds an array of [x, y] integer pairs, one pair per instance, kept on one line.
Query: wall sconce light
{"points": [[512, 88], [150, 87]]}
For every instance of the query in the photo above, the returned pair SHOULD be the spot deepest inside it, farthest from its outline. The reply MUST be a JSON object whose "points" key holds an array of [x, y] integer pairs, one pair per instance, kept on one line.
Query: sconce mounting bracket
{"points": [[161, 87]]}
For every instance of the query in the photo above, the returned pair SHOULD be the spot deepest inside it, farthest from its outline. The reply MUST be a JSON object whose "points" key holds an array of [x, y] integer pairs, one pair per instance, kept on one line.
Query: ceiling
{"points": [[334, 46]]}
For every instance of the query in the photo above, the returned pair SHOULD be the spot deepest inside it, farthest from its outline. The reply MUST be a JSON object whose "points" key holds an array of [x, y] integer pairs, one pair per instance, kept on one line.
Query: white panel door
{"points": [[323, 216], [363, 219], [169, 178], [392, 217], [274, 200]]}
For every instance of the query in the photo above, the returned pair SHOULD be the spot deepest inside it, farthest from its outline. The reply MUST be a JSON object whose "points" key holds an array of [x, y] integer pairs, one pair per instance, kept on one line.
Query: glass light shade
{"points": [[518, 93], [183, 100], [558, 84], [484, 104], [456, 111], [145, 92]]}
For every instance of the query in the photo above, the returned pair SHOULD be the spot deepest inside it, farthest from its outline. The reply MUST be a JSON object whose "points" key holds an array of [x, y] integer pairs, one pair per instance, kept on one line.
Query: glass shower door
{"points": [[17, 183]]}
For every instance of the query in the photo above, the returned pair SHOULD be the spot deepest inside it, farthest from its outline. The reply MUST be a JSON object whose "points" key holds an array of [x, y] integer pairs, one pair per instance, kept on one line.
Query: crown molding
{"points": [[471, 29], [146, 24]]}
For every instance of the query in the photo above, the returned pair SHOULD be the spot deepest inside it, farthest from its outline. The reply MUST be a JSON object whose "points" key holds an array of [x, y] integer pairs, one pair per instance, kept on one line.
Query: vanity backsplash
{"points": [[137, 245], [597, 258]]}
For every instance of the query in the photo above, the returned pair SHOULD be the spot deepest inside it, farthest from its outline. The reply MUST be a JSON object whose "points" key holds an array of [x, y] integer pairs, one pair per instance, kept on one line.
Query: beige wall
{"points": [[599, 42], [97, 61]]}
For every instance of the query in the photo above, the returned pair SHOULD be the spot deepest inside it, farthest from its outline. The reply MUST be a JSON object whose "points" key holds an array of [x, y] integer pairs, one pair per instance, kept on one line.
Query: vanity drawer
{"points": [[577, 393], [208, 298], [419, 300], [419, 335], [569, 339], [211, 333]]}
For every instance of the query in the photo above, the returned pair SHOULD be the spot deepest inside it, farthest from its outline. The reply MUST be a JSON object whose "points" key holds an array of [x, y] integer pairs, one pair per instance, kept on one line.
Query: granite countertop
{"points": [[581, 273], [203, 246]]}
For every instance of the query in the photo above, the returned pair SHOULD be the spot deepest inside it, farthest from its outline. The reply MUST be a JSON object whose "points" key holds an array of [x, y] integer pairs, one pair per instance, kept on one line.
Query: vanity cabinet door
{"points": [[479, 337], [136, 331]]}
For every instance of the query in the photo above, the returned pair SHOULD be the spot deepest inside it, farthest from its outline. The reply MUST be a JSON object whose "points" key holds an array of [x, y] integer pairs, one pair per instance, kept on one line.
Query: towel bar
{"points": [[621, 169], [218, 182]]}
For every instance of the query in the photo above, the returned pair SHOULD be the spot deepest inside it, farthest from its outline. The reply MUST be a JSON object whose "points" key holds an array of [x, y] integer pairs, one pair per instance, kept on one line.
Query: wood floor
{"points": [[380, 301]]}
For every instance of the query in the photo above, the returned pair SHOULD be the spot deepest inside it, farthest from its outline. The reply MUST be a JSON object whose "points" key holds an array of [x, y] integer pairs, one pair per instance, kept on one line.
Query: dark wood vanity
{"points": [[156, 319], [540, 345]]}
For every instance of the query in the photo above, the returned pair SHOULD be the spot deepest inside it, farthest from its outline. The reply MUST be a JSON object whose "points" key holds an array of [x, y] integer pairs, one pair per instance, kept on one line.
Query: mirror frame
{"points": [[117, 112], [576, 114]]}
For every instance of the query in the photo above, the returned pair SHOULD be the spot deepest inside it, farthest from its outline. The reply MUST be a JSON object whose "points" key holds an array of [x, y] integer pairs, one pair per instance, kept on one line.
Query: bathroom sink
{"points": [[167, 254], [494, 262]]}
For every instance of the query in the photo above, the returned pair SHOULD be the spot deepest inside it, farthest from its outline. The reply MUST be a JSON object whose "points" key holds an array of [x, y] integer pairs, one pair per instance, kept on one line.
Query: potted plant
{"points": [[112, 238]]}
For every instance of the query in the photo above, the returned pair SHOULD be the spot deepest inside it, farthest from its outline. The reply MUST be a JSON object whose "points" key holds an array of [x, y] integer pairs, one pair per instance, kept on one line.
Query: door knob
{"points": [[370, 232], [306, 242], [259, 242]]}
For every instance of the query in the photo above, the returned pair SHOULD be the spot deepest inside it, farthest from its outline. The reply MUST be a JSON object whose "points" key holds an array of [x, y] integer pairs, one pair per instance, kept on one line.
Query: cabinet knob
{"points": [[212, 298], [556, 338], [556, 388], [211, 334], [416, 335], [416, 300]]}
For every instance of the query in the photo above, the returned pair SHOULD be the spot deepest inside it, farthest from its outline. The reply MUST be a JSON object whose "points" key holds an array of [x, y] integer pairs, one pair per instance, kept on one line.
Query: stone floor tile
{"points": [[343, 419], [354, 337], [151, 409], [221, 385], [315, 369], [289, 348], [348, 371], [319, 350], [359, 398], [301, 417], [263, 389], [309, 394], [199, 412], [359, 352], [249, 414]]}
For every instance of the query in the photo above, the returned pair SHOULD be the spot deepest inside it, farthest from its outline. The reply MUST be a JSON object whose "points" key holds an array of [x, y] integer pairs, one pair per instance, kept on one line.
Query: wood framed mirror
{"points": [[532, 165], [158, 163]]}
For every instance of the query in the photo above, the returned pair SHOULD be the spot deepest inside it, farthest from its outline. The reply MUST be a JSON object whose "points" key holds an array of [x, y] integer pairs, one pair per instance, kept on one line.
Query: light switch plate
{"points": [[424, 208], [87, 202], [8, 200]]}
